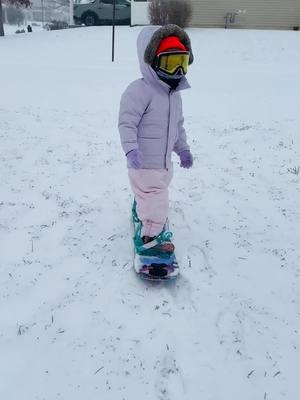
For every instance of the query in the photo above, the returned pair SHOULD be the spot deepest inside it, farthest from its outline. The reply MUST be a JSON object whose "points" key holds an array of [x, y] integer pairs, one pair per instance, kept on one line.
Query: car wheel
{"points": [[90, 19]]}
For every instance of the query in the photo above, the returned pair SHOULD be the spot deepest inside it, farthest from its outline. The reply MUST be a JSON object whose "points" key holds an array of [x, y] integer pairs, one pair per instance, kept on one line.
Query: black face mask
{"points": [[171, 80]]}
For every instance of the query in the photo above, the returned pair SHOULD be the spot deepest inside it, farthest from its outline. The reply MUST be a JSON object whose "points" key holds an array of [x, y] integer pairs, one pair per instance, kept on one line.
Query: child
{"points": [[151, 127]]}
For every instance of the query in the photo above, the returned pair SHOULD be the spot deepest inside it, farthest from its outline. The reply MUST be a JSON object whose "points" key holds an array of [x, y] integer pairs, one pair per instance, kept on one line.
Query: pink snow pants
{"points": [[150, 187]]}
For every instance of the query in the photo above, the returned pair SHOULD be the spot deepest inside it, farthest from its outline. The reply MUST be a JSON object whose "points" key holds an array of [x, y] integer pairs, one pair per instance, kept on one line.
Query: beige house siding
{"points": [[280, 14]]}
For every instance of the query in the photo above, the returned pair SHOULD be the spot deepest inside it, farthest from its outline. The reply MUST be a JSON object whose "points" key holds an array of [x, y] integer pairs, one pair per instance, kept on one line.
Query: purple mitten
{"points": [[186, 159], [133, 158]]}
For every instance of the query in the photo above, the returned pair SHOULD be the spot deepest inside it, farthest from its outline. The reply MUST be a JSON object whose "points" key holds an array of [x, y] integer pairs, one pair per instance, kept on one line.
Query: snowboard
{"points": [[156, 268]]}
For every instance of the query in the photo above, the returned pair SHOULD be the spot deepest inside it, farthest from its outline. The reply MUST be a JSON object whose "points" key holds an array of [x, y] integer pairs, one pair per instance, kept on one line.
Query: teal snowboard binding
{"points": [[156, 259]]}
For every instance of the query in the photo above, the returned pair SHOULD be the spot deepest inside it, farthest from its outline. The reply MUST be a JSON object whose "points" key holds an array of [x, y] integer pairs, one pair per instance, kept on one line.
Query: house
{"points": [[253, 14]]}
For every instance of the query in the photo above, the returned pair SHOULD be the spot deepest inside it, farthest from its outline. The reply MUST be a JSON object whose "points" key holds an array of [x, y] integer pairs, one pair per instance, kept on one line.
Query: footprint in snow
{"points": [[169, 382]]}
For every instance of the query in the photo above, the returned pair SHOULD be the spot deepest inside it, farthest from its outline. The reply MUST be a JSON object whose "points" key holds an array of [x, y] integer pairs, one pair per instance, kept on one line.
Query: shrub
{"points": [[162, 12], [56, 25]]}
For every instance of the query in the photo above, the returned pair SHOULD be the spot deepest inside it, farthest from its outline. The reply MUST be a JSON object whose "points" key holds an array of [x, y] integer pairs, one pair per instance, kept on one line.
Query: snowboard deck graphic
{"points": [[156, 268]]}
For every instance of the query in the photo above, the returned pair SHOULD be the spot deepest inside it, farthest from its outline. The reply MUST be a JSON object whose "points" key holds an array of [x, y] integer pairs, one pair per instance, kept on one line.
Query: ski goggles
{"points": [[172, 61]]}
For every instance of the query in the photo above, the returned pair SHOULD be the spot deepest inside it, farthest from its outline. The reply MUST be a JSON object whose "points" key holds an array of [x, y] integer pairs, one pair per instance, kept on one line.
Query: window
{"points": [[118, 2]]}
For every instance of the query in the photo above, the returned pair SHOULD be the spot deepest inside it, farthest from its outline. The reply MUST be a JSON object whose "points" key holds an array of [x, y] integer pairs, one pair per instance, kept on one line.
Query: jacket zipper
{"points": [[169, 97]]}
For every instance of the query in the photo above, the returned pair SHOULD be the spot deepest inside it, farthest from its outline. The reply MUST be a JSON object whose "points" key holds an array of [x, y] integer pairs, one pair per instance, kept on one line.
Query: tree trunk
{"points": [[1, 20]]}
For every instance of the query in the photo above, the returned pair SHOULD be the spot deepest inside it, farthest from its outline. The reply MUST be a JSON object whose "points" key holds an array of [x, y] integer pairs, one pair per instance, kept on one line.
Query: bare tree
{"points": [[162, 12], [57, 4], [17, 3], [15, 16], [1, 20], [180, 12]]}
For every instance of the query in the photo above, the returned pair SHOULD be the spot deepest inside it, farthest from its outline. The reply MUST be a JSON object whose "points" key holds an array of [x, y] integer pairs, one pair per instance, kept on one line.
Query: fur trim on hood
{"points": [[163, 32]]}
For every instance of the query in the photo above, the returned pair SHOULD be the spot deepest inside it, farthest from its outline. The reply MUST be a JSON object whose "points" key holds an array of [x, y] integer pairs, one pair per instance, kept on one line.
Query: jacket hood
{"points": [[147, 44], [162, 33], [143, 40]]}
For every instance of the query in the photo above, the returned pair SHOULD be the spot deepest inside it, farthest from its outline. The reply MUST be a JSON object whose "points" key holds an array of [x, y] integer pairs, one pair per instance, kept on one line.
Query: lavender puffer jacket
{"points": [[150, 117]]}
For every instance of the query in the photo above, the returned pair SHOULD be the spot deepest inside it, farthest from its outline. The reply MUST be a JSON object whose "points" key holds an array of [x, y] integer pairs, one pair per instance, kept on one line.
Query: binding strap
{"points": [[164, 236]]}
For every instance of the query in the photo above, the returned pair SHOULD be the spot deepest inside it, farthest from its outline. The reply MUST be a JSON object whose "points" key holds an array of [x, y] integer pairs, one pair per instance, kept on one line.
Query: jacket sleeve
{"points": [[181, 142], [134, 102]]}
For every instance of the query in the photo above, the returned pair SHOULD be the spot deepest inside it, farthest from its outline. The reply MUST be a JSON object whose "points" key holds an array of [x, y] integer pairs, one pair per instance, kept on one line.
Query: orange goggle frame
{"points": [[170, 62]]}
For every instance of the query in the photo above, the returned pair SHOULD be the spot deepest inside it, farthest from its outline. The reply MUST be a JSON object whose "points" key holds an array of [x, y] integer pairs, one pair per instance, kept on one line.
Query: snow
{"points": [[76, 323]]}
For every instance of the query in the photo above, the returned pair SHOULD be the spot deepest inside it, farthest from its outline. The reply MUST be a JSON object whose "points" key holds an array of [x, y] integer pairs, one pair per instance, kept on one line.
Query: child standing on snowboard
{"points": [[151, 128]]}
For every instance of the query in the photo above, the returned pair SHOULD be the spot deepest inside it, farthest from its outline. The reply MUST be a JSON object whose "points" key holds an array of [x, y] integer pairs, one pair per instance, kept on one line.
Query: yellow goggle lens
{"points": [[170, 62]]}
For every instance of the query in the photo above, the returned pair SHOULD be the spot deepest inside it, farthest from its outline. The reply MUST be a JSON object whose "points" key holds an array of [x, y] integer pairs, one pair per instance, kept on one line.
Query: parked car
{"points": [[100, 12]]}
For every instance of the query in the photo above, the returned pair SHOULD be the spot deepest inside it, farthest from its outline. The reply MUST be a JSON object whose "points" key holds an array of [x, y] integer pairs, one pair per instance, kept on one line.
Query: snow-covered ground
{"points": [[75, 321]]}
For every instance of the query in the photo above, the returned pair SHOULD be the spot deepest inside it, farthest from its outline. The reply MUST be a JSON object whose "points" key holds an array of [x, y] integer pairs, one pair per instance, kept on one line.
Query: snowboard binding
{"points": [[161, 244], [156, 259]]}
